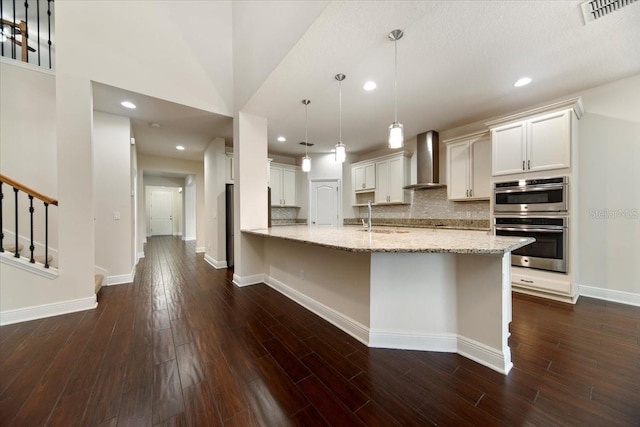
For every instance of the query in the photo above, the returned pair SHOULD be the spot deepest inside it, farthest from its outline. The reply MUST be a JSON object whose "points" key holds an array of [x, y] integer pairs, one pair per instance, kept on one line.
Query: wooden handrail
{"points": [[29, 191]]}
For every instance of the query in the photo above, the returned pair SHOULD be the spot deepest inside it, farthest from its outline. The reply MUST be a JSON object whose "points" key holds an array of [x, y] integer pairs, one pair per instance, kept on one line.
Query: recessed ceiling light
{"points": [[155, 125], [522, 82], [282, 139], [128, 104], [370, 85], [179, 147]]}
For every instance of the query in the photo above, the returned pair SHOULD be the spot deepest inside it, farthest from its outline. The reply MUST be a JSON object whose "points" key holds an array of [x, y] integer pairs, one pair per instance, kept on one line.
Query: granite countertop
{"points": [[397, 239], [455, 224]]}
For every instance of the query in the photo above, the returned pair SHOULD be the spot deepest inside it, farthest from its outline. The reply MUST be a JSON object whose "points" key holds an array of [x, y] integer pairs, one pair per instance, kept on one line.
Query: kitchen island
{"points": [[404, 288]]}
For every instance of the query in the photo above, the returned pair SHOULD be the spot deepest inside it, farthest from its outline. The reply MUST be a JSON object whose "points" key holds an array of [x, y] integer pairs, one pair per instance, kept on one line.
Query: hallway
{"points": [[183, 346]]}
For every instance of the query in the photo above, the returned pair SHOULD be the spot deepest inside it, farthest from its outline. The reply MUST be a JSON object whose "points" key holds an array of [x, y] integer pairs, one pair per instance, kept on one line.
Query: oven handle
{"points": [[536, 230], [527, 189]]}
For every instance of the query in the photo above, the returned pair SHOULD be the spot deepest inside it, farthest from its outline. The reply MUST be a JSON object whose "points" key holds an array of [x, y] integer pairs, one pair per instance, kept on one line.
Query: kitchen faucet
{"points": [[370, 214]]}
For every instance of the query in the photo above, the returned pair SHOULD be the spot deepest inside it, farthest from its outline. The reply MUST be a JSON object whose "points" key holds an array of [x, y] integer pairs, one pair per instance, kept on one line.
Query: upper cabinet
{"points": [[380, 180], [469, 167], [392, 174], [364, 176], [535, 141], [282, 180]]}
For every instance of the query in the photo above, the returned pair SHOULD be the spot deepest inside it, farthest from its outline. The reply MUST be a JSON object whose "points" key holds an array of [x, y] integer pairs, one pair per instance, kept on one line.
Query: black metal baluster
{"points": [[1, 42], [31, 247], [17, 252], [25, 37], [38, 18], [1, 228], [49, 28], [46, 235], [13, 32]]}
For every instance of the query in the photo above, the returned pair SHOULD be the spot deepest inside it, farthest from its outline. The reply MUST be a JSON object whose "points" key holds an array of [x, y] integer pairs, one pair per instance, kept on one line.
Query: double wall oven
{"points": [[535, 208]]}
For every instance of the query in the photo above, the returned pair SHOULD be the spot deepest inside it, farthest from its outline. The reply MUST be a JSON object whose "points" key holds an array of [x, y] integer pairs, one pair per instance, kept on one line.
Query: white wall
{"points": [[28, 152], [190, 214], [250, 203], [609, 192], [214, 200], [113, 196]]}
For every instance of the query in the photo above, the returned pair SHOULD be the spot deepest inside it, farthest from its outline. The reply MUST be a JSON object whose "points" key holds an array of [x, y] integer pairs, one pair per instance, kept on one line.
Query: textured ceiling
{"points": [[457, 64]]}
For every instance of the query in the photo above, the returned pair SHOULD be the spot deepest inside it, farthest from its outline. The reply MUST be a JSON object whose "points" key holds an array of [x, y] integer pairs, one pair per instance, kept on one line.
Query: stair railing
{"points": [[17, 187], [22, 19]]}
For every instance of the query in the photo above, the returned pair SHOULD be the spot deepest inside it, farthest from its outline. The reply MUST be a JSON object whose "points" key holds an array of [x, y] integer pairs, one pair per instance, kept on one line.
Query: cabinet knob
{"points": [[529, 164], [470, 192], [523, 165]]}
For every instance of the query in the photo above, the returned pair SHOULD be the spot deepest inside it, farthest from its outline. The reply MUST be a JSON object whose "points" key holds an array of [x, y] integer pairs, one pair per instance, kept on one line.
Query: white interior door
{"points": [[324, 203], [161, 213]]}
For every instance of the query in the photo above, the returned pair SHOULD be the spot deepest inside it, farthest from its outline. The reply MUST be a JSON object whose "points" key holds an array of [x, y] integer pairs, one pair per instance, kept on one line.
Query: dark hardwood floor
{"points": [[183, 346]]}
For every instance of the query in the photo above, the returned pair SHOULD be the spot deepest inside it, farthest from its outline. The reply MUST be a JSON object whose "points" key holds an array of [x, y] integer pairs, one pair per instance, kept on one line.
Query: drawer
{"points": [[549, 285]]}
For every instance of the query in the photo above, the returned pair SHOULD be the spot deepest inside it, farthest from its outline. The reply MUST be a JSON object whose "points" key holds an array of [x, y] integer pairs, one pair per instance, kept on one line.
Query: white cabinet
{"points": [[364, 177], [228, 173], [469, 168], [282, 180], [392, 174], [536, 144]]}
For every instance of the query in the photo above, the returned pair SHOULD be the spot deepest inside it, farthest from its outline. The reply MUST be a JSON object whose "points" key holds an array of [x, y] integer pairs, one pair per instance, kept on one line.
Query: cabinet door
{"points": [[359, 179], [369, 176], [549, 142], [508, 149], [275, 181], [458, 170], [480, 167], [382, 182], [396, 180], [289, 187]]}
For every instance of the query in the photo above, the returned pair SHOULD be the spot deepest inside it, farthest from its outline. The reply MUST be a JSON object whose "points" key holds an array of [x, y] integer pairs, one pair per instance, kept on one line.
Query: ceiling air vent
{"points": [[596, 9]]}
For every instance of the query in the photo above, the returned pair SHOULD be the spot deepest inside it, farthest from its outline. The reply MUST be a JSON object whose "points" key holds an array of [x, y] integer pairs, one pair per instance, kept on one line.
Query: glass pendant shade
{"points": [[306, 160], [396, 135], [341, 152], [306, 164]]}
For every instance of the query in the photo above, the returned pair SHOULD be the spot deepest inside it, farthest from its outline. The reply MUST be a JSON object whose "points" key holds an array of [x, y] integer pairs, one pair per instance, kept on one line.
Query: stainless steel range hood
{"points": [[428, 162]]}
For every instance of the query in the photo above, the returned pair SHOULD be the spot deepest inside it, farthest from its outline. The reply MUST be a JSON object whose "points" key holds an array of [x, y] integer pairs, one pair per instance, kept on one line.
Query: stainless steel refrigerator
{"points": [[229, 213]]}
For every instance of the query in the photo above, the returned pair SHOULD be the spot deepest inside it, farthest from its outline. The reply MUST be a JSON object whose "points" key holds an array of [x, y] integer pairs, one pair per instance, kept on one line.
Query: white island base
{"points": [[433, 301]]}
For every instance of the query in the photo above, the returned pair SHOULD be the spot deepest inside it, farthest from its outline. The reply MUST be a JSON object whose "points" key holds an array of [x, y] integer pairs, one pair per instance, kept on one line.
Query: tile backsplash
{"points": [[433, 203], [278, 213]]}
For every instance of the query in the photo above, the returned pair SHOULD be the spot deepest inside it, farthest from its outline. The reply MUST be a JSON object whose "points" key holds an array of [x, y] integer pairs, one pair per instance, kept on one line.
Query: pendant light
{"points": [[306, 160], [396, 130], [341, 149]]}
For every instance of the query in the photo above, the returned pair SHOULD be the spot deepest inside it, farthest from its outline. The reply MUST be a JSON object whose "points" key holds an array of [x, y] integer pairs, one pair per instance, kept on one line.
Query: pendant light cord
{"points": [[306, 128], [340, 109], [395, 79]]}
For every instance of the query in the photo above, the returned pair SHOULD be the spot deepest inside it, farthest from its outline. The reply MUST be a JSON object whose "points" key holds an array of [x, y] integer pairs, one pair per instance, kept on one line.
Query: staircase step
{"points": [[98, 279], [40, 258], [11, 247]]}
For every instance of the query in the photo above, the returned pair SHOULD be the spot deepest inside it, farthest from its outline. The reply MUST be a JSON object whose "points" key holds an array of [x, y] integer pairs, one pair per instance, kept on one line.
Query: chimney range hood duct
{"points": [[428, 162]]}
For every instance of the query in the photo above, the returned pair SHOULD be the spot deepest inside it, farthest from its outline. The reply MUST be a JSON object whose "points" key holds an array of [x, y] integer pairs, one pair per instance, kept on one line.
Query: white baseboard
{"points": [[200, 249], [47, 310], [248, 280], [23, 264], [214, 263], [612, 295], [140, 256], [345, 323], [410, 340], [121, 278], [485, 355]]}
